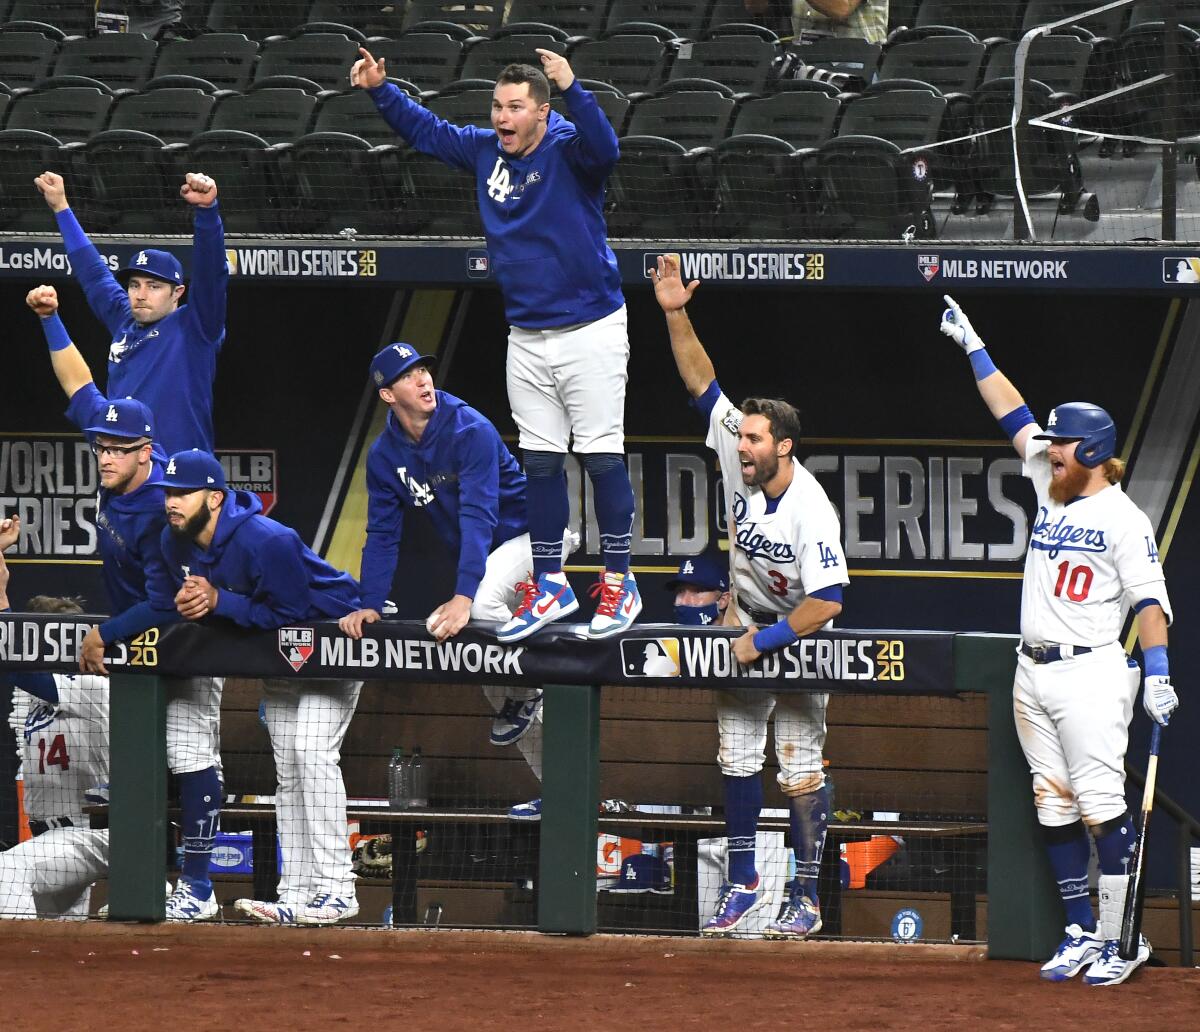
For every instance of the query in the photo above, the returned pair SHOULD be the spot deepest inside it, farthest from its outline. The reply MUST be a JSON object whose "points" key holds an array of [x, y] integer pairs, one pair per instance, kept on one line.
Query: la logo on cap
{"points": [[171, 468], [403, 352], [688, 567], [142, 258], [1053, 418], [111, 415]]}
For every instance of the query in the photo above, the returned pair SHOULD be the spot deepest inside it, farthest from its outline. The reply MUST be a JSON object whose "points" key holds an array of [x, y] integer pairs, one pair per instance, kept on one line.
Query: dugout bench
{"points": [[1021, 924]]}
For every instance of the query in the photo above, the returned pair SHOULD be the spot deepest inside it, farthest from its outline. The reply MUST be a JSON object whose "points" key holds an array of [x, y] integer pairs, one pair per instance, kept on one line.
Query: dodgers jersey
{"points": [[66, 747], [168, 365], [1087, 561], [543, 214], [780, 556]]}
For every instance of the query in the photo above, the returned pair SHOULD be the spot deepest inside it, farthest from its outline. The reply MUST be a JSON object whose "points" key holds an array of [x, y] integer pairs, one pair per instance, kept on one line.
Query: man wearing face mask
{"points": [[701, 589]]}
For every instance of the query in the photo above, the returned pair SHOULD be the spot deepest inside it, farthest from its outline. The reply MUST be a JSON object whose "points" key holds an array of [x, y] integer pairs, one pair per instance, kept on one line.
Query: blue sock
{"points": [[743, 800], [613, 495], [1069, 853], [1114, 845], [548, 508], [809, 818], [200, 801]]}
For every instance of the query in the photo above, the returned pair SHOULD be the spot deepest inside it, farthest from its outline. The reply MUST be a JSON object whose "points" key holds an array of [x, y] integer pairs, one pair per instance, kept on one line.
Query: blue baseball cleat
{"points": [[734, 904], [514, 720], [548, 598], [619, 605], [1074, 953], [799, 917], [530, 811]]}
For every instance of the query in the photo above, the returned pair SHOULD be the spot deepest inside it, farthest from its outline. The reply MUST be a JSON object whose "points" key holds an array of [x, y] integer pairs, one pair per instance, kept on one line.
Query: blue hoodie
{"points": [[168, 365], [129, 530], [543, 214], [461, 473], [264, 574]]}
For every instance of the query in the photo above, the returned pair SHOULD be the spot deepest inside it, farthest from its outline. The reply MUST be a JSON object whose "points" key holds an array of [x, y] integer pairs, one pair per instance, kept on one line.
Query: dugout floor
{"points": [[96, 976]]}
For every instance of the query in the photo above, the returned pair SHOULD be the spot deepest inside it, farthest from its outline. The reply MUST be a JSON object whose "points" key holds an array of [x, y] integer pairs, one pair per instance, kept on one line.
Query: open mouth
{"points": [[426, 396], [1057, 467], [507, 135]]}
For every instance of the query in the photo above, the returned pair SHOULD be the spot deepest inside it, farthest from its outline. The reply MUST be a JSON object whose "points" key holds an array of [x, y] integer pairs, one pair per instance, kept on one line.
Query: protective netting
{"points": [[758, 119]]}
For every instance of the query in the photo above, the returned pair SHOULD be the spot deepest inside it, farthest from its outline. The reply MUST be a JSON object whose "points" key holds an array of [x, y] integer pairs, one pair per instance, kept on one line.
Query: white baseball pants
{"points": [[193, 723], [52, 875], [742, 718]]}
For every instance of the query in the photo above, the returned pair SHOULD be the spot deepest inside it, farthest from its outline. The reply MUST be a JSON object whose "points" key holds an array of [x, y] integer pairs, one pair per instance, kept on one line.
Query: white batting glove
{"points": [[1158, 698], [958, 328]]}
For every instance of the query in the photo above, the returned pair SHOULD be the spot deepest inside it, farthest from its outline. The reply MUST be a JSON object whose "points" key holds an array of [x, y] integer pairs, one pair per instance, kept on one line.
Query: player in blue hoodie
{"points": [[540, 187], [158, 345], [130, 521], [227, 559]]}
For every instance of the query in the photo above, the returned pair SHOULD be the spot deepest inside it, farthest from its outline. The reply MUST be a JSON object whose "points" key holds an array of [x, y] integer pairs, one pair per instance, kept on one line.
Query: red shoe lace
{"points": [[528, 590], [610, 596]]}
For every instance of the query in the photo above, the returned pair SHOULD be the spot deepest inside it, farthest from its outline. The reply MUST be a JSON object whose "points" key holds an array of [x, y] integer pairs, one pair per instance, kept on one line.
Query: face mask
{"points": [[697, 616]]}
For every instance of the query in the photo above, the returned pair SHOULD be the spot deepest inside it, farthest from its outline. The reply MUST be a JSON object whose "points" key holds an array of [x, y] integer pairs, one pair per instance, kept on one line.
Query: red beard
{"points": [[1071, 484]]}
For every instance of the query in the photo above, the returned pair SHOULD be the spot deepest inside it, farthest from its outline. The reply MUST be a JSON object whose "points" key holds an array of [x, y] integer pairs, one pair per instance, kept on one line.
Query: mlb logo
{"points": [[650, 262], [928, 265], [1181, 270], [478, 265], [296, 645], [650, 657], [231, 261]]}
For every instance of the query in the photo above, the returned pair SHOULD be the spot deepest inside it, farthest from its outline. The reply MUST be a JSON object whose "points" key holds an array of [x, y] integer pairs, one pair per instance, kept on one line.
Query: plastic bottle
{"points": [[828, 787], [398, 795], [418, 787]]}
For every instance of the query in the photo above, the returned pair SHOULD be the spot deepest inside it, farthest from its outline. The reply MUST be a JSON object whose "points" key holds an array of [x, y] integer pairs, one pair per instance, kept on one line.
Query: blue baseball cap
{"points": [[124, 417], [194, 470], [394, 361], [160, 264], [704, 571]]}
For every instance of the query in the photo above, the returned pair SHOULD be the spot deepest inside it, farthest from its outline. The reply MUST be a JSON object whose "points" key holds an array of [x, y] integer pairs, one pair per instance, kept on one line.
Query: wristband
{"points": [[56, 333], [1016, 421], [982, 363], [777, 636], [1155, 660]]}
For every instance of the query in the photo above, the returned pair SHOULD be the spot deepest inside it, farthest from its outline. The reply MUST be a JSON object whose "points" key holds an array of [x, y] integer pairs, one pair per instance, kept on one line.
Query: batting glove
{"points": [[958, 328], [1158, 698]]}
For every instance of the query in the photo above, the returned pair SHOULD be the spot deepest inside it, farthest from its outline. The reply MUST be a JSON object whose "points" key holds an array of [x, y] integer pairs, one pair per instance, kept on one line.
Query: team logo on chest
{"points": [[1062, 536], [41, 716], [422, 494], [754, 542], [499, 183]]}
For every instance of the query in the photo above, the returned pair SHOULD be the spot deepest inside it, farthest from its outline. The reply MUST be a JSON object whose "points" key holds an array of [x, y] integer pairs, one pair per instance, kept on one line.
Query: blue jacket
{"points": [[543, 214], [129, 531], [264, 574], [461, 473], [169, 365]]}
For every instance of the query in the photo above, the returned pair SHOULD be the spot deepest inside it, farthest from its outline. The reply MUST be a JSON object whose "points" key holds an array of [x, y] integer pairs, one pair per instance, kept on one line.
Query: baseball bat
{"points": [[1135, 892]]}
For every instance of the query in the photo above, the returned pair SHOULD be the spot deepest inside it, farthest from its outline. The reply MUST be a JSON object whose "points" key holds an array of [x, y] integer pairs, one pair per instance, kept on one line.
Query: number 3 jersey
{"points": [[784, 551], [1087, 561], [66, 747]]}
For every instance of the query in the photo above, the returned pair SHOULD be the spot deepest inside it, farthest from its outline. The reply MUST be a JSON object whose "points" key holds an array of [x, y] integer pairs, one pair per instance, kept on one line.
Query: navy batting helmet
{"points": [[1088, 424]]}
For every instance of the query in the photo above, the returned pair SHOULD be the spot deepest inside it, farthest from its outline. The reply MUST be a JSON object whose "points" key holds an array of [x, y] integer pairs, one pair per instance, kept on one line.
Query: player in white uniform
{"points": [[788, 570], [64, 756], [1092, 557]]}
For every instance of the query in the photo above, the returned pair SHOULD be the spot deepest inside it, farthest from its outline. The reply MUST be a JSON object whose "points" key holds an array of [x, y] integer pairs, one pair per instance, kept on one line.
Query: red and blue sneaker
{"points": [[799, 917], [542, 601], [734, 904], [620, 602]]}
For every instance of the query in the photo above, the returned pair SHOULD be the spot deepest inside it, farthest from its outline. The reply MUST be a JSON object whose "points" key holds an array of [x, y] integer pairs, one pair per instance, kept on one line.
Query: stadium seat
{"points": [[950, 63], [656, 187], [44, 129], [686, 19], [1139, 55], [488, 57], [871, 190], [1043, 12], [850, 57], [429, 59], [803, 120], [256, 18], [990, 19], [464, 102], [173, 115], [633, 64], [1187, 11], [354, 113], [25, 58], [323, 59], [370, 17], [119, 60], [224, 59], [728, 17], [741, 62], [1061, 62], [575, 17], [611, 101], [482, 17], [71, 17]]}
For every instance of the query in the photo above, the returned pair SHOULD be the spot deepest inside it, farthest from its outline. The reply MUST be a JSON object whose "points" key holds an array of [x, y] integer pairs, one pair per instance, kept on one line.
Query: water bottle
{"points": [[828, 787], [418, 787], [398, 793]]}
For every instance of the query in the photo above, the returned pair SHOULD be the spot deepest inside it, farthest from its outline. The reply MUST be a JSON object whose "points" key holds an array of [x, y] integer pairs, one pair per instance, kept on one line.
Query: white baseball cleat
{"points": [[186, 905], [267, 913], [1110, 969], [326, 909], [1074, 953]]}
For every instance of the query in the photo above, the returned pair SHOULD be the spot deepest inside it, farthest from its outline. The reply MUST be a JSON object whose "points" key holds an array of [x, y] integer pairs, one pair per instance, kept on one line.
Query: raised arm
{"points": [[595, 149], [1003, 400], [69, 365], [210, 270], [695, 367]]}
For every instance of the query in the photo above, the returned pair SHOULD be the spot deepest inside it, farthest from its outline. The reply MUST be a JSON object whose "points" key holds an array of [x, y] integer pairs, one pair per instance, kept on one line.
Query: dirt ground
{"points": [[244, 979]]}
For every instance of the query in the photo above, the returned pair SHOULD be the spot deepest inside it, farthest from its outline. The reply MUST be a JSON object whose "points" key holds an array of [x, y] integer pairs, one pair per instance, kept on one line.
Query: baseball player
{"points": [[787, 573], [130, 520], [701, 587], [158, 343], [1092, 557], [64, 761], [540, 187], [228, 560], [438, 454]]}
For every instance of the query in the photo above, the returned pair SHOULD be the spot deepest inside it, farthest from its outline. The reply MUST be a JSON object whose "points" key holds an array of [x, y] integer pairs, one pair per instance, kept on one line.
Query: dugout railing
{"points": [[1024, 925]]}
